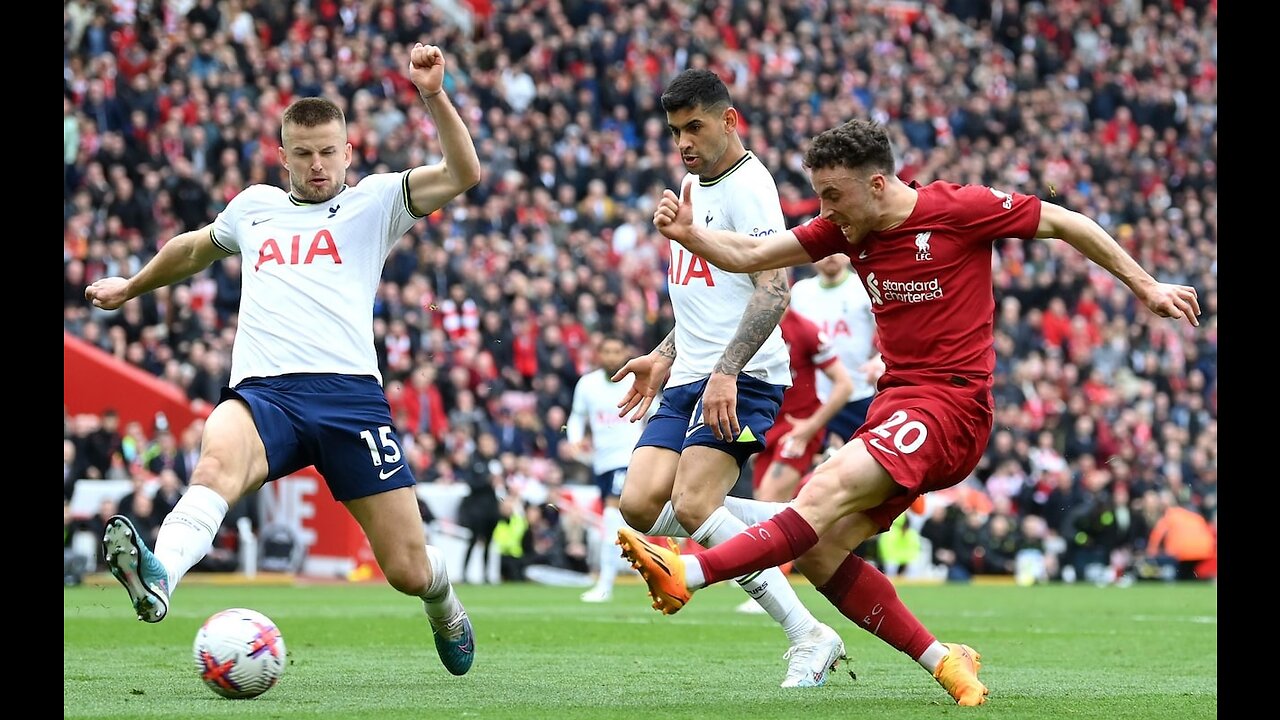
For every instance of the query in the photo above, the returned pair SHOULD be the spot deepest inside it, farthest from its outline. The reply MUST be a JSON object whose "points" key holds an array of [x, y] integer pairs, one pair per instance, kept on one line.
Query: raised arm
{"points": [[431, 186], [732, 251], [183, 256], [1087, 236]]}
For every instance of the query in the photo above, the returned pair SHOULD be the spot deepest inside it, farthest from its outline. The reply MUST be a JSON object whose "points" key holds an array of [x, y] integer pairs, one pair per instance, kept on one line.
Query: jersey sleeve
{"points": [[820, 238], [760, 214], [985, 214], [224, 225], [392, 191]]}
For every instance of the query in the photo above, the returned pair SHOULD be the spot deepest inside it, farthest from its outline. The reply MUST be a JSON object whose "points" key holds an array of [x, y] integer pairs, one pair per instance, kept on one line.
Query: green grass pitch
{"points": [[365, 651]]}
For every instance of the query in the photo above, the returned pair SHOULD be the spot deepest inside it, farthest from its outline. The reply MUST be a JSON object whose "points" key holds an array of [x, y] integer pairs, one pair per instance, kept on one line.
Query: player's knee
{"points": [[406, 578], [640, 515], [692, 511]]}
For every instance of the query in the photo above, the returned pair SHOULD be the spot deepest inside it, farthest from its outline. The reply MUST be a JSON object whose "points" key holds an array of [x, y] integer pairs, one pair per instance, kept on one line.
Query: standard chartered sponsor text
{"points": [[912, 291]]}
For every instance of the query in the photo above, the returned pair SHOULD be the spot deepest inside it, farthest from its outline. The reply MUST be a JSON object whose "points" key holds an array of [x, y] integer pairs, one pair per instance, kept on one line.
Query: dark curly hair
{"points": [[856, 144]]}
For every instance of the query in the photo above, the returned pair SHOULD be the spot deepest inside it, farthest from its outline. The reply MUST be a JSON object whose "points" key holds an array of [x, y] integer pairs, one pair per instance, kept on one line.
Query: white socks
{"points": [[745, 509], [439, 599], [752, 511], [667, 525], [933, 655], [768, 587], [610, 559], [187, 533]]}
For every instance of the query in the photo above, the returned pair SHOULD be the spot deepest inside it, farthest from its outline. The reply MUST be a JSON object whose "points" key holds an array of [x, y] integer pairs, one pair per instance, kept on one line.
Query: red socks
{"points": [[783, 537], [864, 595]]}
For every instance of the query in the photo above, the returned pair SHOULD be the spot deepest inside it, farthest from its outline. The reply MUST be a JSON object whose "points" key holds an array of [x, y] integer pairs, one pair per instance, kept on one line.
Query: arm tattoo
{"points": [[667, 348], [768, 302]]}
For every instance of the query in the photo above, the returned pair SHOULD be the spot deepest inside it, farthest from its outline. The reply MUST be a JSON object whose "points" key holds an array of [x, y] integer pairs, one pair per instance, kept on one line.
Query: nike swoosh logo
{"points": [[384, 474], [862, 255], [693, 429], [882, 448], [258, 222]]}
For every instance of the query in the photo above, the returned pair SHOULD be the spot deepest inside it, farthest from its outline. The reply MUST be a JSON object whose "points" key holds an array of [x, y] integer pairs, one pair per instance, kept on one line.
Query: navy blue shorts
{"points": [[850, 417], [610, 482], [679, 424], [339, 423]]}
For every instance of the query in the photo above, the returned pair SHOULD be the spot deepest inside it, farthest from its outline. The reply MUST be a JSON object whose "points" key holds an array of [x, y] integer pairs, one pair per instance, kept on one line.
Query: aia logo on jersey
{"points": [[686, 267], [833, 328], [322, 245]]}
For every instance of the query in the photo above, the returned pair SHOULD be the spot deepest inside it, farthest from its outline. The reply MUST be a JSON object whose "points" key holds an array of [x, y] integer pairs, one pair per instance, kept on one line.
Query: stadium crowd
{"points": [[1106, 424]]}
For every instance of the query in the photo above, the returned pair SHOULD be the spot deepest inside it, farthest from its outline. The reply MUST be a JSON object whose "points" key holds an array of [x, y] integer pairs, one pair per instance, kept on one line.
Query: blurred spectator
{"points": [[479, 510], [511, 536], [1185, 537], [102, 441], [898, 546]]}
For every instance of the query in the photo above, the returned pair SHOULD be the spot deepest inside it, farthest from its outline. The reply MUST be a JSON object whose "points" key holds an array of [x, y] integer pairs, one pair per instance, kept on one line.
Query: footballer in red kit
{"points": [[800, 434], [924, 256], [930, 285]]}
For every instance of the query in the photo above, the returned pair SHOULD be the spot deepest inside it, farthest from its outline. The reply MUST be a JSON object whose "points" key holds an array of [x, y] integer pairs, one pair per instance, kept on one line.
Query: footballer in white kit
{"points": [[835, 300], [596, 398], [303, 362], [709, 304], [725, 367], [309, 277]]}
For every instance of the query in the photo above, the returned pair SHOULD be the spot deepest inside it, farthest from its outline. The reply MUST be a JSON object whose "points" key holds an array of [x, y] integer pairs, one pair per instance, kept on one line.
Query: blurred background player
{"points": [[800, 434], [595, 429], [727, 367], [836, 302]]}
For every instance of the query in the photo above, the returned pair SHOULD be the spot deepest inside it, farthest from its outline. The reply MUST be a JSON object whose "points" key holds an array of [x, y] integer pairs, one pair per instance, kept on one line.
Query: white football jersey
{"points": [[595, 406], [709, 302], [843, 312], [309, 275]]}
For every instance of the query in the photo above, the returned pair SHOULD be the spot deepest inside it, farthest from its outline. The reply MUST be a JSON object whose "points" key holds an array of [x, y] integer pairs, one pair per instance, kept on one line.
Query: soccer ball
{"points": [[239, 653]]}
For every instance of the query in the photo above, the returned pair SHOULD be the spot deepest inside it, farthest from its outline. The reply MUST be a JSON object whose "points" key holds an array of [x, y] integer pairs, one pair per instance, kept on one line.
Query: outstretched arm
{"points": [[183, 256], [1087, 236], [728, 250], [431, 186]]}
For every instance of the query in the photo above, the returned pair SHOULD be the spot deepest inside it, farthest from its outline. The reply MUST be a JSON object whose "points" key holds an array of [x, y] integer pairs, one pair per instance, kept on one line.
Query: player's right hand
{"points": [[673, 217], [108, 293]]}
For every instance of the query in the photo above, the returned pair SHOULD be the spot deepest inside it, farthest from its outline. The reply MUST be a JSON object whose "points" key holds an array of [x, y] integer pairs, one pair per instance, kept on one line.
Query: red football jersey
{"points": [[810, 352], [930, 280]]}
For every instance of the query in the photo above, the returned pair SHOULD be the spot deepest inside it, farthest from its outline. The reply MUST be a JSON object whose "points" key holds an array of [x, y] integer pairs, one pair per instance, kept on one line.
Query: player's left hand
{"points": [[720, 406], [1173, 301], [426, 68]]}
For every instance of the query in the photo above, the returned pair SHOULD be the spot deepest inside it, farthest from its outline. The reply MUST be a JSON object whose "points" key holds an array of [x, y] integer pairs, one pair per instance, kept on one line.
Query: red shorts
{"points": [[772, 452], [928, 437]]}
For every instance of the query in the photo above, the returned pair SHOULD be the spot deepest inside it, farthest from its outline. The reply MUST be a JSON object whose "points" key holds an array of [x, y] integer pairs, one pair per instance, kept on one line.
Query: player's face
{"points": [[612, 356], [317, 159], [702, 135], [847, 198]]}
